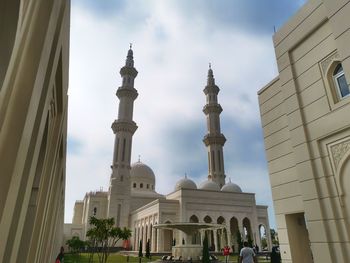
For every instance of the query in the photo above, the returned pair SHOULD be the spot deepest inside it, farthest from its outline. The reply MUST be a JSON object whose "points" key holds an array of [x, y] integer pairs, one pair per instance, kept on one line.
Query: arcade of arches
{"points": [[163, 239]]}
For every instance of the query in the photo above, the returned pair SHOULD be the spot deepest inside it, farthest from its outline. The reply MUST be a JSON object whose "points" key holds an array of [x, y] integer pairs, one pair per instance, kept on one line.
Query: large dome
{"points": [[140, 171], [185, 183], [231, 187], [209, 185]]}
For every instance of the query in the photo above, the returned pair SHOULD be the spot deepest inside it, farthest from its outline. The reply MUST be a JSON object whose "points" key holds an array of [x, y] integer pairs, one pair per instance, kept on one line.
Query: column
{"points": [[160, 240], [215, 232], [228, 233], [153, 242]]}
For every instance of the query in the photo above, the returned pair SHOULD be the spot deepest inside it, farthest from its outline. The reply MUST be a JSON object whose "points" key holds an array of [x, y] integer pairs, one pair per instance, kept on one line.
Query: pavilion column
{"points": [[215, 232], [202, 233], [228, 235], [153, 241], [137, 239], [149, 233], [144, 238], [160, 244], [222, 239]]}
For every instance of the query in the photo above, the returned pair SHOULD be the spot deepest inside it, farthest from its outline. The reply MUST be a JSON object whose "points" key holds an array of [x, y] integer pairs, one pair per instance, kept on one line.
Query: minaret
{"points": [[214, 140], [123, 128]]}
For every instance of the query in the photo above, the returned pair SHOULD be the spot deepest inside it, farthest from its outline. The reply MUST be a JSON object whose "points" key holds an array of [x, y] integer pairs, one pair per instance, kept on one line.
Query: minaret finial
{"points": [[185, 175], [130, 45], [139, 159], [211, 80]]}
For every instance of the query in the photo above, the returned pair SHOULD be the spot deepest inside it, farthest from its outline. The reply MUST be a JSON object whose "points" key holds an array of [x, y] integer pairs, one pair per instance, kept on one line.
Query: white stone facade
{"points": [[305, 118]]}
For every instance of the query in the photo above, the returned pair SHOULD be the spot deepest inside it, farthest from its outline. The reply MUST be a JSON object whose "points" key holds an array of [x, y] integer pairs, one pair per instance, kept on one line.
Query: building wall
{"points": [[307, 134], [34, 45], [78, 212]]}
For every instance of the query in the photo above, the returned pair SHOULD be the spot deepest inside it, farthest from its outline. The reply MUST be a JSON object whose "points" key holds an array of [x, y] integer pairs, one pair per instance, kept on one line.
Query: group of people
{"points": [[246, 255], [249, 255]]}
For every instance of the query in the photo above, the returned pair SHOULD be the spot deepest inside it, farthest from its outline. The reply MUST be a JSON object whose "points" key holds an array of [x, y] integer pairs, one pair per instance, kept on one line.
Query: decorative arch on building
{"points": [[234, 230], [222, 239], [194, 219], [247, 229], [344, 181], [263, 235], [220, 220], [196, 239], [207, 219], [329, 67]]}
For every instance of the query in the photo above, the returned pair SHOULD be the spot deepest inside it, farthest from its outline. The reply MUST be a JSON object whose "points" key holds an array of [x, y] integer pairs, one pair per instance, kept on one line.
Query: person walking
{"points": [[226, 252], [275, 255], [247, 255], [60, 256]]}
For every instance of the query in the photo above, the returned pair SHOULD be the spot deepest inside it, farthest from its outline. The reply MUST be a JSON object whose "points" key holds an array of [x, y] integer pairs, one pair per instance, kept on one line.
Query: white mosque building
{"points": [[134, 203]]}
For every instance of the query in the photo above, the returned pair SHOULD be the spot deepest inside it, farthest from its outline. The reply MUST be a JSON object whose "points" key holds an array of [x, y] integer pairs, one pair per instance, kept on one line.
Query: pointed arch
{"points": [[220, 220], [194, 219], [247, 229], [207, 219]]}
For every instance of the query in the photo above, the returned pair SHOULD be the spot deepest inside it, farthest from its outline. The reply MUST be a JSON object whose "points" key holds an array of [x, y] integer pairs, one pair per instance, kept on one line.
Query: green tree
{"points": [[103, 235], [274, 237], [239, 240], [205, 255], [148, 250], [75, 245], [263, 242]]}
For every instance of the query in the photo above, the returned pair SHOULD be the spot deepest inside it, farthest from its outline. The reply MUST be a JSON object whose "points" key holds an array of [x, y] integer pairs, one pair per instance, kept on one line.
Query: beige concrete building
{"points": [[305, 114], [34, 44], [134, 203]]}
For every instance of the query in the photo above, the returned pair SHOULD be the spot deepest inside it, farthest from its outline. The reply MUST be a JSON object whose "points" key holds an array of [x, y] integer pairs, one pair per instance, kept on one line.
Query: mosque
{"points": [[134, 203]]}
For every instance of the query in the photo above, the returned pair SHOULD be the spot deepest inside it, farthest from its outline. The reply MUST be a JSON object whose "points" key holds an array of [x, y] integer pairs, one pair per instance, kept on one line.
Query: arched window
{"points": [[134, 185], [340, 83], [95, 211], [141, 185], [147, 186]]}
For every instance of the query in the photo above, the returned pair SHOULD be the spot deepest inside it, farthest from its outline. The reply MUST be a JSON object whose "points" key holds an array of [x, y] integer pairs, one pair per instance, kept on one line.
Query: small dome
{"points": [[140, 171], [209, 185], [231, 187], [185, 183]]}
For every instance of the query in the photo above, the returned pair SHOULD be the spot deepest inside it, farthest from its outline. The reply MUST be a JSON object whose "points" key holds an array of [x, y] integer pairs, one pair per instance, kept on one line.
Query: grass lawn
{"points": [[113, 258], [117, 258]]}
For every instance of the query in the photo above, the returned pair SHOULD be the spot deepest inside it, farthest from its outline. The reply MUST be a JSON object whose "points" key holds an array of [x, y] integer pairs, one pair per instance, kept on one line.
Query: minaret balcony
{"points": [[131, 71], [211, 89], [211, 139], [127, 92], [125, 126], [212, 108]]}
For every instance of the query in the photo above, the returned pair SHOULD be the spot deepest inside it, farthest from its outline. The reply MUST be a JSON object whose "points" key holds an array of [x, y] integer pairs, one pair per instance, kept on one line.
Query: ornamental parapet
{"points": [[127, 92], [124, 126], [211, 89], [210, 139], [212, 108], [128, 71]]}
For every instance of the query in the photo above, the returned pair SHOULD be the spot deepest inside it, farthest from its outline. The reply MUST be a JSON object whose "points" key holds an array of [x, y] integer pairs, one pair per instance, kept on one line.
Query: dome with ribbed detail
{"points": [[185, 183], [231, 187], [209, 185]]}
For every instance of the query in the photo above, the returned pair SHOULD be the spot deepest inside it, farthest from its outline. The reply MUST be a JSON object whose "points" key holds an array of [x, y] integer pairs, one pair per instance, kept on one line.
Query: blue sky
{"points": [[173, 42]]}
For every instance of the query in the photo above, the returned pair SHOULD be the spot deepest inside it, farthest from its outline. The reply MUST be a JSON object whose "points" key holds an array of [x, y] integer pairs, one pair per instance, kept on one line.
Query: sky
{"points": [[173, 43]]}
